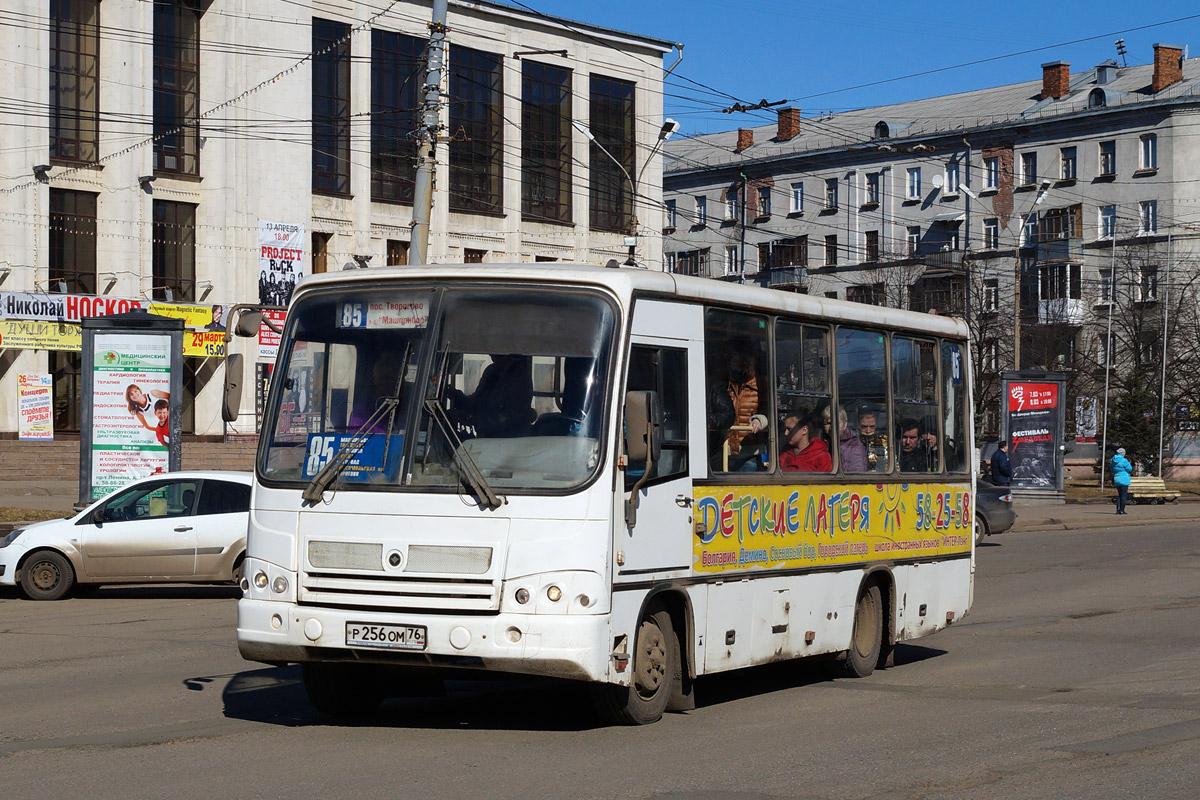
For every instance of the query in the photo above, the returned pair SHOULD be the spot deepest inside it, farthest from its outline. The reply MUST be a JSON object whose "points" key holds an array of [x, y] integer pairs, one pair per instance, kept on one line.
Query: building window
{"points": [[792, 252], [546, 142], [872, 246], [330, 107], [72, 241], [476, 120], [872, 187], [1108, 222], [692, 262], [177, 87], [1149, 151], [991, 294], [701, 210], [1060, 282], [1029, 232], [174, 252], [991, 355], [991, 234], [912, 239], [797, 198], [914, 183], [731, 260], [1148, 217], [1029, 169], [764, 202], [473, 256], [953, 177], [831, 250], [611, 123], [320, 250], [831, 192], [1069, 161], [397, 253], [870, 293], [1105, 295], [1147, 284], [1108, 158], [991, 167], [669, 262], [671, 216], [731, 205], [65, 382], [397, 66], [74, 79]]}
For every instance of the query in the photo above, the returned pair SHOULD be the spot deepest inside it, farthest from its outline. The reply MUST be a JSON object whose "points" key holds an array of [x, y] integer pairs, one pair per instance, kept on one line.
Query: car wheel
{"points": [[239, 567], [343, 690], [656, 668], [867, 638], [982, 531], [47, 575]]}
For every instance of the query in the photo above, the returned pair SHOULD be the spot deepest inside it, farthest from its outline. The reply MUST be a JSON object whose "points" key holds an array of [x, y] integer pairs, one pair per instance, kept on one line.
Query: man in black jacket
{"points": [[1001, 466]]}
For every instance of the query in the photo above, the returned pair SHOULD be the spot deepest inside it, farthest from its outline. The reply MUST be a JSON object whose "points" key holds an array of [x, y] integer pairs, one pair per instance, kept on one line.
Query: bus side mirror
{"points": [[231, 402], [643, 426], [249, 323]]}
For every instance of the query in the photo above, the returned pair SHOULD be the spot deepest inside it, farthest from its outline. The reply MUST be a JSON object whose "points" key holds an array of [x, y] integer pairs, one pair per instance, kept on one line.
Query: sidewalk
{"points": [[1034, 517], [44, 495]]}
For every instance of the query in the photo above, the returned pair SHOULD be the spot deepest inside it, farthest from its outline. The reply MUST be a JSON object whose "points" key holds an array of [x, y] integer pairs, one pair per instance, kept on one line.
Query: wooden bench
{"points": [[1150, 490]]}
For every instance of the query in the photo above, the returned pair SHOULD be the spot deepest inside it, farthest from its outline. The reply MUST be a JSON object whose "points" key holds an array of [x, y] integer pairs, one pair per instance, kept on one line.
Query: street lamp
{"points": [[669, 127]]}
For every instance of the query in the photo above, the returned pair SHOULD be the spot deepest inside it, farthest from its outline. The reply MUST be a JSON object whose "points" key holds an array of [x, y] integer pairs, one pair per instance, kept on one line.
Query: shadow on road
{"points": [[276, 696], [163, 592]]}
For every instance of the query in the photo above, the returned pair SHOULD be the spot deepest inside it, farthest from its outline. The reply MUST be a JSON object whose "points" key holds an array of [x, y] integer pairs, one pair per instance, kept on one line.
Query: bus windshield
{"points": [[521, 375]]}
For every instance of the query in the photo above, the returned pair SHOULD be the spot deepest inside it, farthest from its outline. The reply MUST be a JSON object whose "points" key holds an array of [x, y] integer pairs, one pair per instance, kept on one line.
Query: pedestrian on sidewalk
{"points": [[1121, 470], [1001, 466]]}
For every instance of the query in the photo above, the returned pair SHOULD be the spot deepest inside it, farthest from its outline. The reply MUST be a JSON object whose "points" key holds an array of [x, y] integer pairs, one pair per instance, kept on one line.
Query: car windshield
{"points": [[519, 373]]}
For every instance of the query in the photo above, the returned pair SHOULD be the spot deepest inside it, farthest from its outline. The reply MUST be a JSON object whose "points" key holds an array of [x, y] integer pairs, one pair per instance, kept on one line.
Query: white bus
{"points": [[623, 477]]}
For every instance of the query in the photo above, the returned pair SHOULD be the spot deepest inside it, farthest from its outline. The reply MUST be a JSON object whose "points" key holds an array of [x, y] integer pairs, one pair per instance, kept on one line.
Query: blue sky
{"points": [[803, 52]]}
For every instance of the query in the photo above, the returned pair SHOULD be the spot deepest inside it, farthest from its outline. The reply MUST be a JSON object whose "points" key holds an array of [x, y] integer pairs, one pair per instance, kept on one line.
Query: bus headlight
{"points": [[554, 594], [280, 584], [260, 580], [522, 595]]}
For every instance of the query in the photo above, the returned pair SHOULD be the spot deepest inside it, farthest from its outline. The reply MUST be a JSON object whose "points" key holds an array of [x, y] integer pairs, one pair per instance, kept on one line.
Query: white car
{"points": [[181, 527]]}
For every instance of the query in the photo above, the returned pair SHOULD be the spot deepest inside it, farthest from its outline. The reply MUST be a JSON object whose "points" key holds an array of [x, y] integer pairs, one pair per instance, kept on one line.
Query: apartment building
{"points": [[1046, 203], [165, 152]]}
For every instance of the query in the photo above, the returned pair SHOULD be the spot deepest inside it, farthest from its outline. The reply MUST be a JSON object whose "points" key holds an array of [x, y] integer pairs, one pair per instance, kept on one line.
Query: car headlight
{"points": [[12, 537]]}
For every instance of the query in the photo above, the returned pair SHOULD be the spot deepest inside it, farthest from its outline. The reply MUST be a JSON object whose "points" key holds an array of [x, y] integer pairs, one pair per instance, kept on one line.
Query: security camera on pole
{"points": [[423, 192]]}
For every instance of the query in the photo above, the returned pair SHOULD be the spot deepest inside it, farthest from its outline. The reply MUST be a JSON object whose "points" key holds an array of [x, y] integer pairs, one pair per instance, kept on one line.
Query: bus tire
{"points": [[867, 638], [47, 575], [343, 690], [656, 668]]}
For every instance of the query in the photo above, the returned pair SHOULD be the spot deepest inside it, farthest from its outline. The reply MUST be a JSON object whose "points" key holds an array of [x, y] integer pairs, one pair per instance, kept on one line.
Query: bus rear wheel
{"points": [[343, 690], [867, 639], [656, 669]]}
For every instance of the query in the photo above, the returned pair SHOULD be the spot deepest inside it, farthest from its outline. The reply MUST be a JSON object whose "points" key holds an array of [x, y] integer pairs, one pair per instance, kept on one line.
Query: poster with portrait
{"points": [[280, 261], [131, 409], [1033, 419]]}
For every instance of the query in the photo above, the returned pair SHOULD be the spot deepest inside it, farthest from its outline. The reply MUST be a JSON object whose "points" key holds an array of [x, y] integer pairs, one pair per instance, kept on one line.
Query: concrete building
{"points": [[166, 152], [1050, 202]]}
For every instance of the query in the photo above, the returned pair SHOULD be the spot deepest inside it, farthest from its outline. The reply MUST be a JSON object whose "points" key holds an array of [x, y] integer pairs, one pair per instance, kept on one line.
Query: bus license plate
{"points": [[391, 637]]}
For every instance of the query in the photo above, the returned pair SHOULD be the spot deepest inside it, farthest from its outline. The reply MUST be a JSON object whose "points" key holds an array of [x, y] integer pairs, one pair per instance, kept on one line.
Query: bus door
{"points": [[662, 359]]}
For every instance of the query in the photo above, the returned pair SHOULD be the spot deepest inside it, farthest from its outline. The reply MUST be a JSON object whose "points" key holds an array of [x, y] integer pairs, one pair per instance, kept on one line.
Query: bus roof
{"points": [[626, 282]]}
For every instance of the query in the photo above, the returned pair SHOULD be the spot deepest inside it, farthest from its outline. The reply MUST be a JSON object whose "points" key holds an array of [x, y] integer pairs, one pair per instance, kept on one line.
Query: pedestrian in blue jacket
{"points": [[1001, 466], [1121, 471]]}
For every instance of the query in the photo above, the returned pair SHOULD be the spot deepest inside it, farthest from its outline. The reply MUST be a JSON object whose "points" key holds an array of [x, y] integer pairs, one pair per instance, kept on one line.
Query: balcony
{"points": [[788, 279], [943, 259], [1060, 249], [1064, 312]]}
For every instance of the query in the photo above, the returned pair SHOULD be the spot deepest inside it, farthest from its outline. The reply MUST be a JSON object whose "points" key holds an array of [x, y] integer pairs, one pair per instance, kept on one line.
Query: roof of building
{"points": [[569, 24], [980, 109]]}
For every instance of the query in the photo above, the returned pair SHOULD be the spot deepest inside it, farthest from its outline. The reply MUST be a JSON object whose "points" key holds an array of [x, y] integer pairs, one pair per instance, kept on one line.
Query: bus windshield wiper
{"points": [[352, 446], [471, 474]]}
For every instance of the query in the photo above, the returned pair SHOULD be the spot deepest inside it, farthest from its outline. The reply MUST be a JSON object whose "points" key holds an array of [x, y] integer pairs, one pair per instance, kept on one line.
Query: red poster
{"points": [[1032, 396]]}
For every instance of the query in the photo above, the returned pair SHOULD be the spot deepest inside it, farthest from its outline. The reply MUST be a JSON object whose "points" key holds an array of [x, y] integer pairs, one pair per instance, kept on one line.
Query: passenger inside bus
{"points": [[734, 417], [852, 455], [874, 439], [502, 404], [804, 450], [914, 453]]}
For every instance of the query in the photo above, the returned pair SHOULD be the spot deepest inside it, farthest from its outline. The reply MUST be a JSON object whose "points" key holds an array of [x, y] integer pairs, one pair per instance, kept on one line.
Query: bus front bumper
{"points": [[575, 646]]}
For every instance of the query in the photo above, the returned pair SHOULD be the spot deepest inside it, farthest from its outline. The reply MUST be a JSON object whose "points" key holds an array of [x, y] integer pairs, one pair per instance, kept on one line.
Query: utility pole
{"points": [[423, 191]]}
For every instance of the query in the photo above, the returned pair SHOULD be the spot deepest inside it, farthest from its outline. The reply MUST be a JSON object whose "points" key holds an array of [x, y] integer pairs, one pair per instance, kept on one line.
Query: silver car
{"points": [[182, 527]]}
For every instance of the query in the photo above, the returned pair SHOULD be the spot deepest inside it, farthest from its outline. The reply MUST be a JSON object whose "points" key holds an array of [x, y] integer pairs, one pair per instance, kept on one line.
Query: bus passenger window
{"points": [[914, 387], [863, 394], [802, 395], [955, 414], [737, 403]]}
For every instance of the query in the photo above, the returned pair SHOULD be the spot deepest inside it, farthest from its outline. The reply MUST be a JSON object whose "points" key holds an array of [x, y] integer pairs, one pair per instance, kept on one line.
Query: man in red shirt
{"points": [[805, 451]]}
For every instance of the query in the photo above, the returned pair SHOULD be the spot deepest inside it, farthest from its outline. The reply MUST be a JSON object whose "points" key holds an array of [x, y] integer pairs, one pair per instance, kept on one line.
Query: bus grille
{"points": [[397, 592]]}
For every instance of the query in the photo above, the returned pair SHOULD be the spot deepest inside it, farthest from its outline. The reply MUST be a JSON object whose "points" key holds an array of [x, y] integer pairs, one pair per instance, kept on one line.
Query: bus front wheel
{"points": [[343, 690], [656, 668], [859, 661]]}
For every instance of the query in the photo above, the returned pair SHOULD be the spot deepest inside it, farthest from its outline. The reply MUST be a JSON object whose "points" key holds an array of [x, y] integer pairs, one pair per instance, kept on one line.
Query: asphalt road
{"points": [[1077, 675]]}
